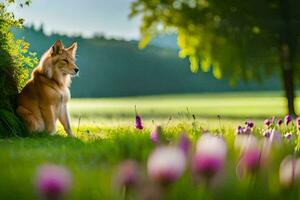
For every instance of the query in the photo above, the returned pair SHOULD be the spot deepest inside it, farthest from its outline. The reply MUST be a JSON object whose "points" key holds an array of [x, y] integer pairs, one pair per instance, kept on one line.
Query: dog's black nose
{"points": [[76, 70]]}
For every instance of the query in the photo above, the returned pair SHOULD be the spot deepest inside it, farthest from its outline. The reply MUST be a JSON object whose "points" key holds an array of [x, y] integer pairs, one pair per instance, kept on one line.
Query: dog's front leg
{"points": [[49, 119], [64, 119]]}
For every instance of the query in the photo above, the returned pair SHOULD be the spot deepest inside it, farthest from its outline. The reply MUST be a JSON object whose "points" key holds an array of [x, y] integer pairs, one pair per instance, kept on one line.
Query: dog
{"points": [[44, 98]]}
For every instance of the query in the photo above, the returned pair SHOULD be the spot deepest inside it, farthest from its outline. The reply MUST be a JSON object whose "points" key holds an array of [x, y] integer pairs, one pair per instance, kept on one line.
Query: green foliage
{"points": [[15, 63], [237, 39]]}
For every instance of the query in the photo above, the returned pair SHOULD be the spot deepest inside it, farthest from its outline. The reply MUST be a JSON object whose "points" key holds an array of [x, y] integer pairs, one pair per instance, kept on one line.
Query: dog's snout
{"points": [[76, 70]]}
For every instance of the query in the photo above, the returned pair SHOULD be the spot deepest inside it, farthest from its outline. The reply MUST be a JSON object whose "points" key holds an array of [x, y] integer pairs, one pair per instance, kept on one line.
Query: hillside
{"points": [[119, 68]]}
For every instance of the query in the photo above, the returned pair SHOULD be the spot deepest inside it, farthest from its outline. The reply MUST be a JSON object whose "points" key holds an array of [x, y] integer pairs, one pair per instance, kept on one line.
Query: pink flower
{"points": [[210, 155], [250, 159], [166, 164], [128, 174], [289, 171], [247, 130], [267, 122], [155, 134], [53, 181], [184, 143], [288, 119]]}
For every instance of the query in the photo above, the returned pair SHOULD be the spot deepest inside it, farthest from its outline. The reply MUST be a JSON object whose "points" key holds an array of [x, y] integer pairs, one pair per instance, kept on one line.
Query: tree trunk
{"points": [[288, 83], [287, 54]]}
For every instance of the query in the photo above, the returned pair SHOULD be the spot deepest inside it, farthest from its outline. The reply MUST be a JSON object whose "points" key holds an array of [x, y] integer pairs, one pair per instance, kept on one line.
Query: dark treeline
{"points": [[110, 67]]}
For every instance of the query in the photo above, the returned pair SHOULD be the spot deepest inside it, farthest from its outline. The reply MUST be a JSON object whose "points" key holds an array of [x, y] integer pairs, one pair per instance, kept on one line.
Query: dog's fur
{"points": [[44, 98]]}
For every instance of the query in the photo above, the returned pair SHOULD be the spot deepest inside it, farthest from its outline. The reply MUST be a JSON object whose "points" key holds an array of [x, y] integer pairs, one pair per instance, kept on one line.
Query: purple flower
{"points": [[166, 164], [288, 136], [210, 155], [53, 181], [289, 172], [138, 120], [267, 133], [247, 130], [250, 160], [184, 143], [288, 119], [155, 134], [249, 124], [128, 174], [267, 122], [239, 130], [279, 122], [298, 123]]}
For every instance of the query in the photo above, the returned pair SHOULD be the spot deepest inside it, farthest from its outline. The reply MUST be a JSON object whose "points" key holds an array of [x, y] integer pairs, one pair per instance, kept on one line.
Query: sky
{"points": [[86, 17]]}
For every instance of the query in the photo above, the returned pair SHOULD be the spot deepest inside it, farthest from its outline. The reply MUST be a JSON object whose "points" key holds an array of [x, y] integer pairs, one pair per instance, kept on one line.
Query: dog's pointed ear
{"points": [[57, 48], [72, 49]]}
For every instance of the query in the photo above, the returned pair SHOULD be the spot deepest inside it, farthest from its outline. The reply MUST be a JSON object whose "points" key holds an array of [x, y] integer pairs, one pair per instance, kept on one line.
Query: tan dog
{"points": [[44, 98]]}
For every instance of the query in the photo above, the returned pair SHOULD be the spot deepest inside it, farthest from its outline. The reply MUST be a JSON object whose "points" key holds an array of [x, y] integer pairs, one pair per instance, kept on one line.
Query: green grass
{"points": [[106, 136]]}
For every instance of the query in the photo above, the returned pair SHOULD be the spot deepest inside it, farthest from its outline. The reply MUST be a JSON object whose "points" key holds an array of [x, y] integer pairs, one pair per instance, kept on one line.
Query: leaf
{"points": [[194, 64], [145, 40], [205, 65], [217, 71]]}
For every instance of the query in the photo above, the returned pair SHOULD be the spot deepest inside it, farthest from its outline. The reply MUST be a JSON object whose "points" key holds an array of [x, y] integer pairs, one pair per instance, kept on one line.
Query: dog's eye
{"points": [[65, 60]]}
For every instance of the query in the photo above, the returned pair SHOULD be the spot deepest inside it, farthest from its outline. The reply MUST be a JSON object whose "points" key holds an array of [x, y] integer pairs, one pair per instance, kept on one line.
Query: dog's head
{"points": [[60, 60]]}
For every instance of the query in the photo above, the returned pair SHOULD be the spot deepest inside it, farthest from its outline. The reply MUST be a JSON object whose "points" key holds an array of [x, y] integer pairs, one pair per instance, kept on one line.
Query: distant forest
{"points": [[110, 67]]}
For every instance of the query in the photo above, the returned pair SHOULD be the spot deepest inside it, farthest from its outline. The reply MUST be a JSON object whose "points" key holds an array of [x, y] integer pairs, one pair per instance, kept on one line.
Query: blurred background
{"points": [[108, 51]]}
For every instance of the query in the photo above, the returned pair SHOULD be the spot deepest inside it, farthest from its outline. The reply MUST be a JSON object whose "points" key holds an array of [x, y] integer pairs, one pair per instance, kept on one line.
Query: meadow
{"points": [[106, 136]]}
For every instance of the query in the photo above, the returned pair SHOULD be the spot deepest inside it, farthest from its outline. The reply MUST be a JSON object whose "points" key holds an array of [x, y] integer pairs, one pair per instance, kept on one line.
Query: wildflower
{"points": [[184, 143], [287, 119], [155, 134], [239, 130], [288, 136], [279, 122], [127, 174], [53, 181], [249, 124], [247, 130], [267, 122], [210, 155], [298, 123], [289, 172], [138, 120], [166, 164], [267, 133], [250, 159]]}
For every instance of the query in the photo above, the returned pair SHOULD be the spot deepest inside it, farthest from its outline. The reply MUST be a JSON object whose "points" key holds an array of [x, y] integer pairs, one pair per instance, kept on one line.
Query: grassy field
{"points": [[232, 107], [106, 136]]}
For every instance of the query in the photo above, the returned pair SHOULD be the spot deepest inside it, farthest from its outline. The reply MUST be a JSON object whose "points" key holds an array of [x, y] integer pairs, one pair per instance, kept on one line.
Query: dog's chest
{"points": [[62, 98]]}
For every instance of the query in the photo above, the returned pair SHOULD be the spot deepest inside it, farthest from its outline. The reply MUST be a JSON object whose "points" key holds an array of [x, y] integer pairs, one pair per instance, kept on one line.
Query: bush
{"points": [[15, 64]]}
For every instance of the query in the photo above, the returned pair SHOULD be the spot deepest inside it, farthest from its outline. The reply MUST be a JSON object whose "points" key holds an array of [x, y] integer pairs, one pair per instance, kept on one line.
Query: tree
{"points": [[242, 40], [15, 63]]}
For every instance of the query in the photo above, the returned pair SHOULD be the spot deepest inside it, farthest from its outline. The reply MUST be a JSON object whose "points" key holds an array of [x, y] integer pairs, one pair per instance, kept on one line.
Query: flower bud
{"points": [[53, 181], [166, 164]]}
